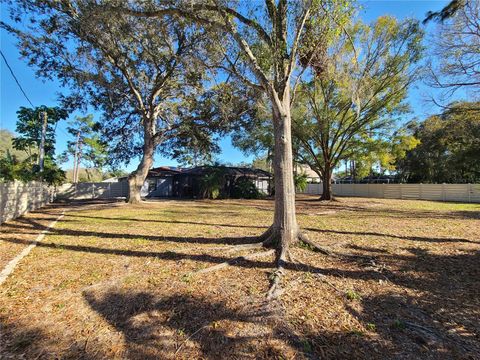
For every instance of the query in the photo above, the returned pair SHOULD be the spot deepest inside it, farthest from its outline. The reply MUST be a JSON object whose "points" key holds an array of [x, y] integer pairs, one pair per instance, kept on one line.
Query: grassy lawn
{"points": [[118, 281]]}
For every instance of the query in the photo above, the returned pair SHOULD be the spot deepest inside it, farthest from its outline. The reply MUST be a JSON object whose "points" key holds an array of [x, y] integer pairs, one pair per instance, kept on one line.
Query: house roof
{"points": [[229, 170], [164, 170], [201, 170]]}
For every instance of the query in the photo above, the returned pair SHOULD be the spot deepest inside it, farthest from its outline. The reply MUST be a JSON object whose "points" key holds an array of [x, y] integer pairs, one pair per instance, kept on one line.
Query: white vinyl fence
{"points": [[17, 198], [439, 192], [99, 190]]}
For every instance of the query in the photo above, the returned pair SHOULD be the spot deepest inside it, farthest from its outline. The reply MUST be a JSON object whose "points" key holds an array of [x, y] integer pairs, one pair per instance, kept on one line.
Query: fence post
{"points": [[444, 195], [469, 192], [420, 191], [401, 192]]}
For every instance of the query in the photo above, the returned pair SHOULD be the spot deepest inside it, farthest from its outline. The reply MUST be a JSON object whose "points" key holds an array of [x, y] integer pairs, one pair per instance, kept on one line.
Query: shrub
{"points": [[301, 182], [212, 183], [244, 188]]}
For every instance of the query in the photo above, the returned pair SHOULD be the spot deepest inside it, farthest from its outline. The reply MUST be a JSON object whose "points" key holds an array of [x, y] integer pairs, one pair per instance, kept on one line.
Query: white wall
{"points": [[439, 192], [17, 198]]}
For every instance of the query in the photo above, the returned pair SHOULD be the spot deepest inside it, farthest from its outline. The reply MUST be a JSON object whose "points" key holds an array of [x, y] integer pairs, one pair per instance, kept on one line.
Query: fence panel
{"points": [[393, 191], [17, 198], [88, 191], [314, 189], [438, 192], [474, 193]]}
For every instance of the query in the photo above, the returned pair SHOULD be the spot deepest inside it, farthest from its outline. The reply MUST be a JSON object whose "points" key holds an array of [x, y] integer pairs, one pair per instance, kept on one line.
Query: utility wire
{"points": [[16, 80], [21, 89]]}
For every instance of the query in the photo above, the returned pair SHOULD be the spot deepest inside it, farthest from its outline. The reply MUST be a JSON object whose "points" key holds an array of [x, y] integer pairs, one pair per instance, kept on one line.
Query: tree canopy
{"points": [[359, 93], [449, 147], [136, 70], [456, 52]]}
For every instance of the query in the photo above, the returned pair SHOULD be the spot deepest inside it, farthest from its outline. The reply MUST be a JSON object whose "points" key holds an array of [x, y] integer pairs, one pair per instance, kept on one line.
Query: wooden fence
{"points": [[438, 192], [17, 198], [99, 190]]}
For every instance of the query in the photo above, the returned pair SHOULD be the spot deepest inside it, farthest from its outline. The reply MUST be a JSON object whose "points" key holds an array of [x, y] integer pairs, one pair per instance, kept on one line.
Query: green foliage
{"points": [[19, 162], [139, 73], [12, 169], [244, 188], [91, 151], [321, 31], [352, 295], [263, 163], [254, 135], [204, 118], [357, 96], [378, 154], [449, 149], [301, 182], [52, 174], [6, 146], [212, 183], [29, 126]]}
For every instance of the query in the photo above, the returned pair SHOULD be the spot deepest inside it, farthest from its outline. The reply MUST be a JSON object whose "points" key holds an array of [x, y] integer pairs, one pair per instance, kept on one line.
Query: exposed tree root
{"points": [[245, 247], [275, 288], [235, 260], [229, 248], [332, 198], [304, 238], [269, 239]]}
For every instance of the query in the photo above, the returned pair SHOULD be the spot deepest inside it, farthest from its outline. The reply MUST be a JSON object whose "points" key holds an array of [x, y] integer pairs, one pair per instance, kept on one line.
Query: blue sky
{"points": [[44, 92]]}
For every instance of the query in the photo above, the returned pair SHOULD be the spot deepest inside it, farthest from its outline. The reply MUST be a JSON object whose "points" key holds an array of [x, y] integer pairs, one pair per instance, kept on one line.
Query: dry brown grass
{"points": [[117, 281]]}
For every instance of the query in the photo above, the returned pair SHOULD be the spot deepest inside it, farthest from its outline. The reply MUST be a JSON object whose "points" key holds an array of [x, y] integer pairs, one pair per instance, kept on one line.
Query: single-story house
{"points": [[166, 181]]}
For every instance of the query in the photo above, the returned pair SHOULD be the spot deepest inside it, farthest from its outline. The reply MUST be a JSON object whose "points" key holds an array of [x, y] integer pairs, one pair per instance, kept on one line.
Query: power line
{"points": [[21, 89], [16, 80]]}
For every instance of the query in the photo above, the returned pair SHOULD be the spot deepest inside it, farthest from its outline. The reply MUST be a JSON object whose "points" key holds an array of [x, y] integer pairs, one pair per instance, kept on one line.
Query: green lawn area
{"points": [[119, 281]]}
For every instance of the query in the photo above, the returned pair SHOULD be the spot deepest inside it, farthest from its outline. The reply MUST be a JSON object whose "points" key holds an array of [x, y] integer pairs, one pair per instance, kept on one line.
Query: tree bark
{"points": [[284, 230], [327, 193], [137, 178]]}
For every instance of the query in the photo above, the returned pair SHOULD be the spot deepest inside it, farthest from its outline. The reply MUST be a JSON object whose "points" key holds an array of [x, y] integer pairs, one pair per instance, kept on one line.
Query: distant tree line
{"points": [[448, 149]]}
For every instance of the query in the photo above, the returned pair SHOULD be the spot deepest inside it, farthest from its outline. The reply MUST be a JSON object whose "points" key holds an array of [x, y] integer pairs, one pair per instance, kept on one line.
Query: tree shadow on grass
{"points": [[412, 238], [439, 321], [19, 340], [182, 222], [187, 326], [31, 224], [442, 316]]}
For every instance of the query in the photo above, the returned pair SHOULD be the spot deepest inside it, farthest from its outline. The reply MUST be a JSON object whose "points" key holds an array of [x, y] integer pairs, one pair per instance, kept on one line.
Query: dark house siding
{"points": [[186, 183]]}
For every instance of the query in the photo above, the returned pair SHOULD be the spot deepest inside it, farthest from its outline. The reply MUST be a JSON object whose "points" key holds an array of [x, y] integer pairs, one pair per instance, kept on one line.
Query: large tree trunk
{"points": [[327, 193], [137, 178], [284, 230]]}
